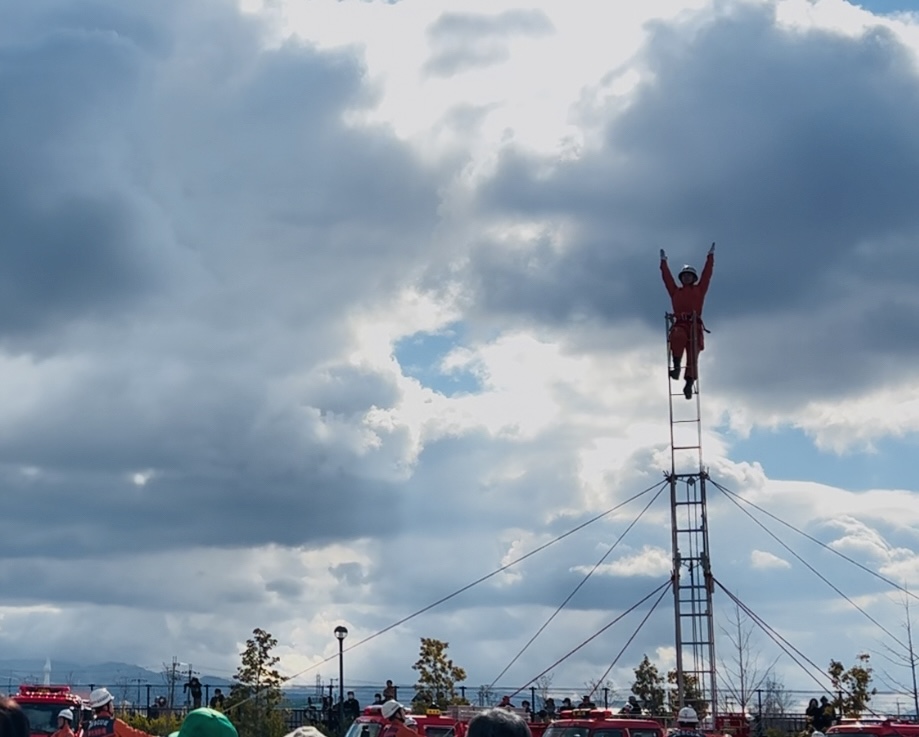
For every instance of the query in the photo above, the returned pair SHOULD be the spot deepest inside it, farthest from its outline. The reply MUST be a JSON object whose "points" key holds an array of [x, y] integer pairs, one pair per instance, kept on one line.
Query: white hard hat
{"points": [[390, 707], [687, 269], [410, 722], [66, 713], [100, 697], [688, 714], [815, 733]]}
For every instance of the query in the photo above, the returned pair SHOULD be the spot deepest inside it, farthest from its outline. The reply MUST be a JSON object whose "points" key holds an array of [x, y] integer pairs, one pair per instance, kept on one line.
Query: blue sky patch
{"points": [[887, 7], [421, 354], [791, 454]]}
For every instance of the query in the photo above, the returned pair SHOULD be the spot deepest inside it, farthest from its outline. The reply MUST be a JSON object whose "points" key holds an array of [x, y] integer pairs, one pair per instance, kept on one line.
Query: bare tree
{"points": [[597, 689], [742, 674], [904, 657], [543, 684], [122, 687]]}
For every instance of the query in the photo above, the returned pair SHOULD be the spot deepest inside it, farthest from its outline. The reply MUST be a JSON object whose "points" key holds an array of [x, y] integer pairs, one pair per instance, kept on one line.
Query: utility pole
{"points": [[172, 683]]}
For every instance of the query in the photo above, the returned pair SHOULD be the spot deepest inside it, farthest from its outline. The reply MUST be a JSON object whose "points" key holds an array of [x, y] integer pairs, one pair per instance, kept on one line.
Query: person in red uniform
{"points": [[394, 714], [64, 722], [104, 722], [687, 333]]}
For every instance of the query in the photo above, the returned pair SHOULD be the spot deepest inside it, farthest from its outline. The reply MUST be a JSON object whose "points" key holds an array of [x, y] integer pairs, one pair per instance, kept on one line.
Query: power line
{"points": [[595, 635], [811, 568], [738, 497], [479, 580], [629, 641], [578, 587]]}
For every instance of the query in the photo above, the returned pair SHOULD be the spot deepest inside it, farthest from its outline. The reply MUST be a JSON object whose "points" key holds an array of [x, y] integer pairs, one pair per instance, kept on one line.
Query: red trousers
{"points": [[687, 337]]}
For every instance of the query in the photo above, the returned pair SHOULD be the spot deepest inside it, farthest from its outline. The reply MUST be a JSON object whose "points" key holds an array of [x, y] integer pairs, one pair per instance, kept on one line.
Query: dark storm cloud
{"points": [[796, 151], [464, 41], [187, 227]]}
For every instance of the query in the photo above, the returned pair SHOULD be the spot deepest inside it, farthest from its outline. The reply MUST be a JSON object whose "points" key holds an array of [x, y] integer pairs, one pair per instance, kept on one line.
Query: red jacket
{"points": [[688, 299]]}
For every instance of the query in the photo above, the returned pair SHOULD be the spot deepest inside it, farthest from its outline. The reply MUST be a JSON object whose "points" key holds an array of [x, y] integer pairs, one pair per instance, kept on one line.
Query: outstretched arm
{"points": [[707, 270], [667, 276]]}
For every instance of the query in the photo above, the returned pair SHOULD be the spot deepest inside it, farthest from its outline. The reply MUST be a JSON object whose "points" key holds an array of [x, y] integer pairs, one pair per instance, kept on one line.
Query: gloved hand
{"points": [[710, 250], [663, 255]]}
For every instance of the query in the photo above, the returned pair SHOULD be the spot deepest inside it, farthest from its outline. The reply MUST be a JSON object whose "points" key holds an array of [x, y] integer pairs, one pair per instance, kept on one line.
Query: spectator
{"points": [[206, 723], [13, 721], [194, 688], [827, 715], [351, 707], [812, 713], [217, 700], [550, 707], [497, 723], [631, 706], [586, 703], [506, 703], [525, 705], [389, 692], [566, 704], [377, 699]]}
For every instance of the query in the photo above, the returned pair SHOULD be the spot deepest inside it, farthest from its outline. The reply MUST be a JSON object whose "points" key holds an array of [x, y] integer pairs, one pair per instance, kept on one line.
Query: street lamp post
{"points": [[340, 634]]}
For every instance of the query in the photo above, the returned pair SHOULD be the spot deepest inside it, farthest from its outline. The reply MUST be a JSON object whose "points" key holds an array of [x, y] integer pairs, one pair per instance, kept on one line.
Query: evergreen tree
{"points": [[437, 676], [854, 685], [649, 687], [692, 693], [255, 696]]}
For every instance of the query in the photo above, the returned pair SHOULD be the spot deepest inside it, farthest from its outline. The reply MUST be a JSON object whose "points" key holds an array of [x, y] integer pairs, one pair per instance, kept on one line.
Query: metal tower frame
{"points": [[691, 575]]}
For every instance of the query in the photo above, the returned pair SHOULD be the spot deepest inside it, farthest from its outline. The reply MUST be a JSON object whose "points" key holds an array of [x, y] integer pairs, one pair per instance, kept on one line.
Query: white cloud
{"points": [[764, 560], [260, 221]]}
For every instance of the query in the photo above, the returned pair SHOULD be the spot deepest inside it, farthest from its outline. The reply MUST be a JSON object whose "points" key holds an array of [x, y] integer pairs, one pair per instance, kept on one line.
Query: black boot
{"points": [[675, 371], [687, 388]]}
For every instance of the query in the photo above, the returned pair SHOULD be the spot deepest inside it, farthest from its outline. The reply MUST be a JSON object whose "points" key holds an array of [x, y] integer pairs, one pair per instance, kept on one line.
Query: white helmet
{"points": [[100, 697], [815, 733], [688, 715], [66, 713], [687, 269], [390, 707]]}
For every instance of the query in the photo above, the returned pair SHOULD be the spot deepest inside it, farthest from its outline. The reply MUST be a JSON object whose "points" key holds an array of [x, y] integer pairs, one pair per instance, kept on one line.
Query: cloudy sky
{"points": [[314, 311]]}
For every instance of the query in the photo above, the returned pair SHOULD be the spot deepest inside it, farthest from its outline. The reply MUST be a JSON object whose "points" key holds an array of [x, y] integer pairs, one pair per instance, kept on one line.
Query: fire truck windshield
{"points": [[583, 732], [42, 717], [365, 729]]}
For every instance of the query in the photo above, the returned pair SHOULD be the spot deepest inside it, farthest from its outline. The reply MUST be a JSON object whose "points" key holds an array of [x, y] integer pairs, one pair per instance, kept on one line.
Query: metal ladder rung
{"points": [[684, 422], [687, 447]]}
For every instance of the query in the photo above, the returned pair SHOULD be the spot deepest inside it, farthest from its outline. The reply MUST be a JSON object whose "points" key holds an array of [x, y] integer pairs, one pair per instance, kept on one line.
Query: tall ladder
{"points": [[691, 574]]}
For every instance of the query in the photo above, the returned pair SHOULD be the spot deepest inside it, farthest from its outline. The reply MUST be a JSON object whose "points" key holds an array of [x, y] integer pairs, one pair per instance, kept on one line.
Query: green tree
{"points": [[854, 684], [649, 687], [692, 693], [255, 696], [437, 676]]}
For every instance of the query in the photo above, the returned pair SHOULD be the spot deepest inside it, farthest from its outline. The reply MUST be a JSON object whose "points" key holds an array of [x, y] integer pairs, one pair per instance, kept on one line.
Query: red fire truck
{"points": [[602, 723], [42, 704], [874, 728]]}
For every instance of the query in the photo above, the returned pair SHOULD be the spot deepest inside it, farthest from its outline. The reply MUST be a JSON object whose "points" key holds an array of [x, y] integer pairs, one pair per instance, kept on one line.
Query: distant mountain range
{"points": [[128, 683], [112, 675]]}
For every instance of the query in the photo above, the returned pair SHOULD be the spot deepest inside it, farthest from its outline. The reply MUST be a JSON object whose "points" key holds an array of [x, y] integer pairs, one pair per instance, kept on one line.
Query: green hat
{"points": [[206, 723]]}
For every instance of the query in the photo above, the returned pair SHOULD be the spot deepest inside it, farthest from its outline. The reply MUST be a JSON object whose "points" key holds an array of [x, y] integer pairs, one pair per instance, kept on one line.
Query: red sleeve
{"points": [[668, 278], [123, 729], [706, 273]]}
